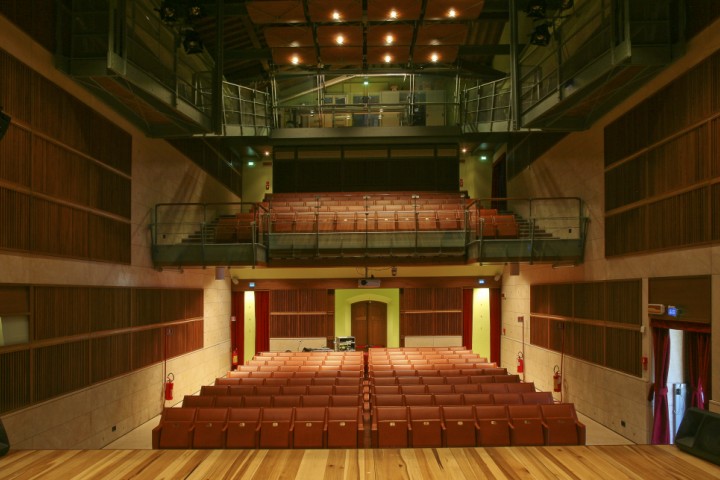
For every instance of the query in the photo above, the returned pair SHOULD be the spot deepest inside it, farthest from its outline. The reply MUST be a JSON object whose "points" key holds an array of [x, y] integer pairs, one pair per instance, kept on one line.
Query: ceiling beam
{"points": [[248, 54]]}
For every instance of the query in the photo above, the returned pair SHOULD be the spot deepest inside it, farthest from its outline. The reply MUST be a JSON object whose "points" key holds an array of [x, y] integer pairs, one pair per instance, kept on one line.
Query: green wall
{"points": [[390, 296]]}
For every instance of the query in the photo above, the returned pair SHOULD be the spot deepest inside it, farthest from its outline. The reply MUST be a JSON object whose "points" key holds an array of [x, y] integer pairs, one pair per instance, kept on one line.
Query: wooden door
{"points": [[369, 323]]}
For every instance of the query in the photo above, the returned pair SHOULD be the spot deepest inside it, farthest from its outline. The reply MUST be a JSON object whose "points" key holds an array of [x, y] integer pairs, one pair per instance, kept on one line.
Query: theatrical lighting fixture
{"points": [[536, 9], [541, 35], [191, 42], [168, 12], [195, 10]]}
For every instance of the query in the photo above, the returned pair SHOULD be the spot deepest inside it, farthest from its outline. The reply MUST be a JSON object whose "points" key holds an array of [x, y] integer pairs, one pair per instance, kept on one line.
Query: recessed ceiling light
{"points": [[295, 60], [387, 58], [267, 153], [434, 57], [452, 13], [389, 39], [335, 15], [464, 150], [393, 14], [340, 39]]}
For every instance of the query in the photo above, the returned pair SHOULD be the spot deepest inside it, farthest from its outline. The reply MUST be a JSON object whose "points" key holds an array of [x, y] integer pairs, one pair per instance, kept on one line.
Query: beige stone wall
{"points": [[85, 419], [574, 167]]}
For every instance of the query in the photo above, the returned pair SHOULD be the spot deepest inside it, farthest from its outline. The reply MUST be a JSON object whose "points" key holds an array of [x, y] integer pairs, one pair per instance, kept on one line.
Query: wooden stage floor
{"points": [[575, 462]]}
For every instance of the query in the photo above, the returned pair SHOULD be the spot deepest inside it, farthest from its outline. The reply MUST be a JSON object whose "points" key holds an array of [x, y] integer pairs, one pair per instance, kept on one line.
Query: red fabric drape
{"points": [[661, 423], [237, 328], [467, 317], [262, 321], [698, 353], [495, 325]]}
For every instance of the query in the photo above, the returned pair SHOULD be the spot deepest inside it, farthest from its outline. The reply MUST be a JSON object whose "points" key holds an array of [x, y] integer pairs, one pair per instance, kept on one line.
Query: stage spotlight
{"points": [[536, 9], [168, 12], [192, 42], [541, 35], [195, 11]]}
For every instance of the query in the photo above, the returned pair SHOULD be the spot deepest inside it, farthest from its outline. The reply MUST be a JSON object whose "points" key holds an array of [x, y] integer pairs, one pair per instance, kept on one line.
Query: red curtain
{"points": [[495, 325], [661, 423], [467, 317], [237, 328], [698, 353], [262, 321]]}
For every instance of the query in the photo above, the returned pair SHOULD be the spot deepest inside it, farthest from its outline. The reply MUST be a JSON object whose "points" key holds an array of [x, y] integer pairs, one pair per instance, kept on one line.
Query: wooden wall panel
{"points": [[111, 356], [14, 214], [15, 378], [626, 184], [35, 17], [589, 343], [109, 239], [176, 339], [623, 302], [147, 307], [626, 232], [196, 335], [539, 331], [678, 221], [108, 191], [692, 295], [194, 303], [560, 298], [59, 173], [15, 149], [60, 369], [14, 300], [715, 208], [623, 350], [61, 312], [589, 300], [172, 305], [539, 298], [15, 87], [679, 163], [147, 347], [110, 308]]}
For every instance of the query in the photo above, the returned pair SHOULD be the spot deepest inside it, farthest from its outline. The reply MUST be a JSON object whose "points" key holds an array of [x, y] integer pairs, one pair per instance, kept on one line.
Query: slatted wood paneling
{"points": [[111, 356], [581, 320], [660, 158], [60, 369], [302, 313], [430, 312], [15, 152], [61, 312], [14, 212], [15, 377], [147, 347], [109, 308]]}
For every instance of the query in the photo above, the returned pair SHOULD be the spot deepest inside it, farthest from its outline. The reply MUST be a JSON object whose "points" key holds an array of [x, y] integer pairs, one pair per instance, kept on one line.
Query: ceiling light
{"points": [[393, 14], [464, 150], [452, 13], [389, 39], [168, 12], [195, 10], [366, 82], [387, 58], [340, 39], [434, 57], [483, 158], [536, 9], [295, 60], [541, 35], [251, 163], [267, 153], [336, 15]]}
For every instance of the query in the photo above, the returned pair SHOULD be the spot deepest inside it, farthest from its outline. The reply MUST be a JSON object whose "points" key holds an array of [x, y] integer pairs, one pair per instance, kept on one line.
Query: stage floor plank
{"points": [[572, 462]]}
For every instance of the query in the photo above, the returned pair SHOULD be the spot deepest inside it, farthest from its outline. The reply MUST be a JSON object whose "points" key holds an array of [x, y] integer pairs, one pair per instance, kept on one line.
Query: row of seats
{"points": [[449, 370], [478, 425], [330, 222], [312, 370], [529, 398], [268, 427], [282, 400], [445, 379], [522, 387], [221, 389], [289, 381], [422, 356], [327, 361], [363, 198], [349, 355]]}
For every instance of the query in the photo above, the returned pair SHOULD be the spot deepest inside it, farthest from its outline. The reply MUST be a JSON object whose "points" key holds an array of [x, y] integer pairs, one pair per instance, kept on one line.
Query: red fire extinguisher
{"points": [[520, 363], [235, 358], [557, 379], [169, 386]]}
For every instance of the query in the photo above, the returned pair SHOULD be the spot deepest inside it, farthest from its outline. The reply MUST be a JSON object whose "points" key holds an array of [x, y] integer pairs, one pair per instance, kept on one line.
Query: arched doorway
{"points": [[368, 323]]}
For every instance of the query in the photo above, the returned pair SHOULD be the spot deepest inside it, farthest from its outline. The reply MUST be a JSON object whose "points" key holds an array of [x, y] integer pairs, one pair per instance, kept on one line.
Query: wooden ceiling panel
{"points": [[401, 34], [442, 34], [321, 11], [423, 54], [328, 35], [342, 56], [463, 9], [397, 55], [276, 11], [288, 37], [407, 10], [286, 56]]}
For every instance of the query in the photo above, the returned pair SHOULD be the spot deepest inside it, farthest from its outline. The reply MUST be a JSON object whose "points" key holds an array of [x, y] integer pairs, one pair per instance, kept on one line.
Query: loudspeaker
{"points": [[699, 434], [4, 124], [4, 442]]}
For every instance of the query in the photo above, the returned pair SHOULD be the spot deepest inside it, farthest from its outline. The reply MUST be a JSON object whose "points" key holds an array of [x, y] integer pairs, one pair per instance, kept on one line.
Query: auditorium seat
{"points": [[466, 388], [494, 371], [385, 381], [478, 399], [522, 387], [432, 380], [507, 398], [387, 400], [257, 401], [537, 398], [387, 389], [252, 381], [175, 429], [320, 389], [287, 401], [309, 427], [238, 374], [493, 425], [236, 390], [228, 401], [420, 399], [457, 379], [214, 390], [269, 390], [413, 389], [316, 401], [275, 381], [563, 426], [527, 427], [439, 389], [493, 388], [196, 401], [425, 426], [481, 379], [347, 390], [344, 427], [294, 390], [275, 428], [390, 427], [209, 427], [346, 400], [459, 426], [227, 381], [243, 428], [506, 378], [408, 380], [448, 399]]}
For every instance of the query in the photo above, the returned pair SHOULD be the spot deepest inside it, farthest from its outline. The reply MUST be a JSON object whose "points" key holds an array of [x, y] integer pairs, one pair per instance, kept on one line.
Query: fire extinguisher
{"points": [[235, 358], [520, 363], [169, 386], [557, 379]]}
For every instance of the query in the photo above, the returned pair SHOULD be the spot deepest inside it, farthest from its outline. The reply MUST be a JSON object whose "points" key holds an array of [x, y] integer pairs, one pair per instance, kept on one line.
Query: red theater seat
{"points": [[527, 427], [175, 429], [493, 425], [228, 401], [209, 428], [390, 427], [425, 426], [287, 401], [214, 390], [423, 399], [478, 399], [448, 399], [459, 426], [316, 401], [346, 400], [195, 401], [344, 427], [243, 428], [257, 401], [522, 387], [507, 398], [275, 428], [563, 427], [309, 427], [537, 398]]}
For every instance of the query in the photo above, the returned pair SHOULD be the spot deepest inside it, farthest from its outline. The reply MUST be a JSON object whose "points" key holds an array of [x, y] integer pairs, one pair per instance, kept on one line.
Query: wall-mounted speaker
{"points": [[4, 442], [699, 434], [4, 124]]}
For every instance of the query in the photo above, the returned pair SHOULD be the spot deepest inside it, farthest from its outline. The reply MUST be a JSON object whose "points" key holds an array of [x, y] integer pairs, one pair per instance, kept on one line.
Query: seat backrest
{"points": [[194, 401], [316, 400], [537, 398], [507, 398], [448, 399], [214, 390], [287, 401], [421, 399], [387, 400], [412, 389], [466, 388], [345, 400], [521, 387], [478, 399], [229, 401], [493, 388]]}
